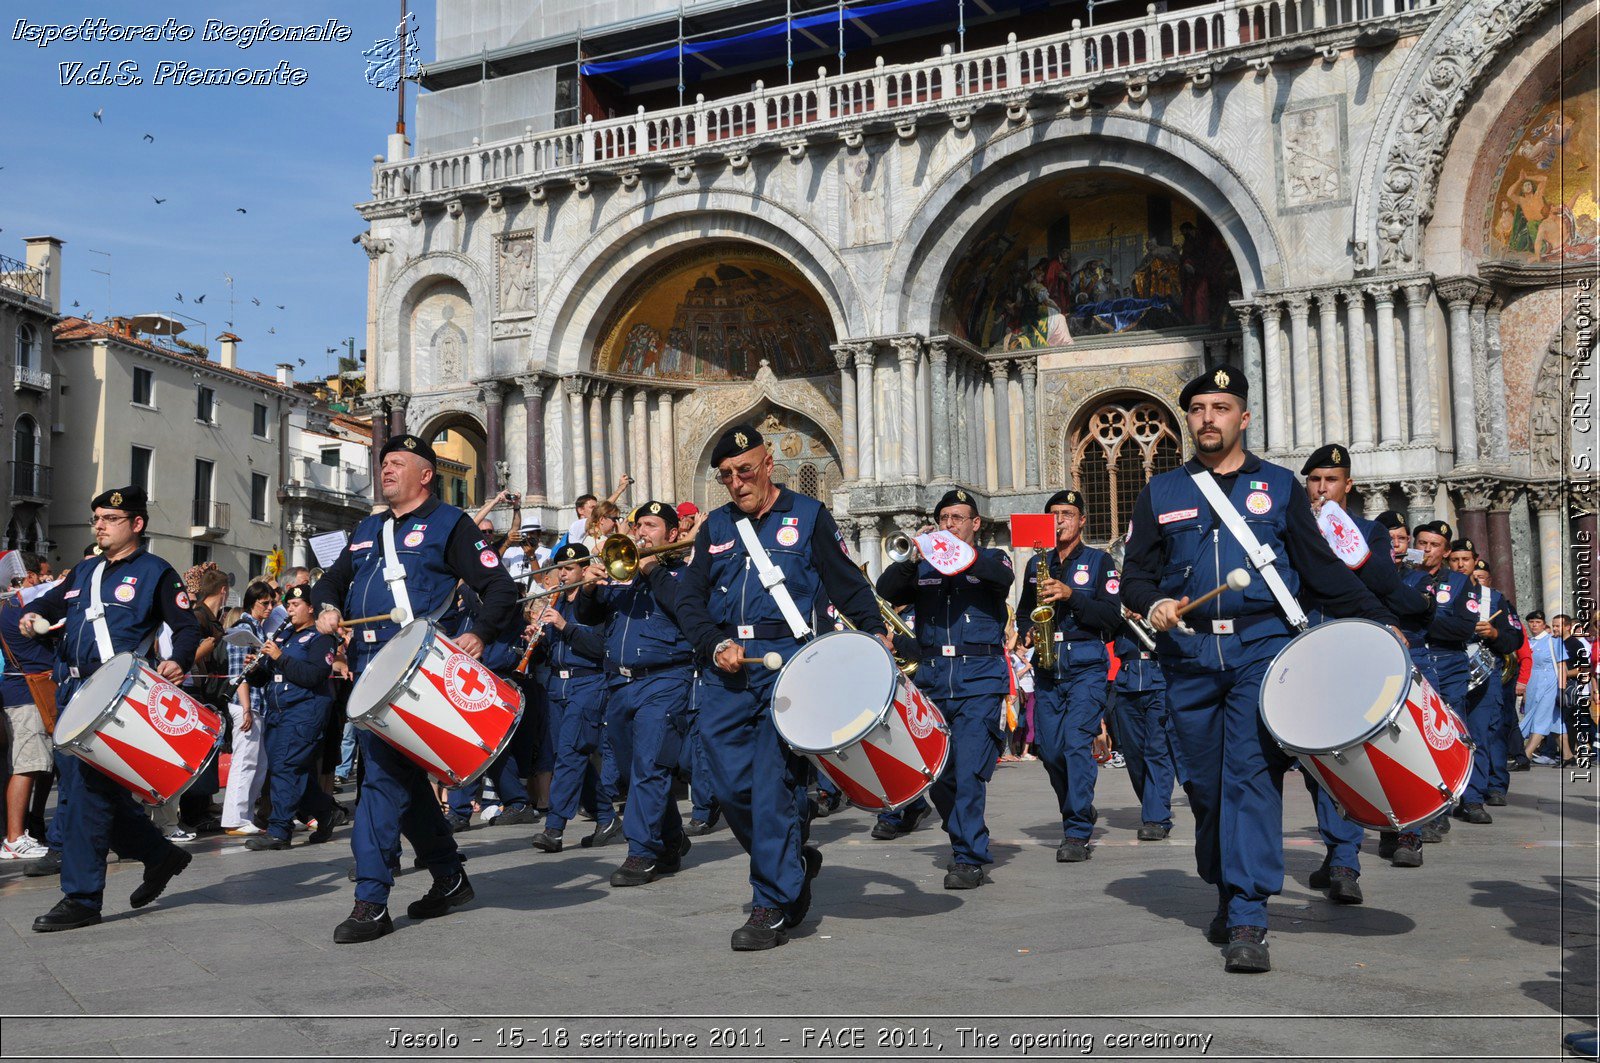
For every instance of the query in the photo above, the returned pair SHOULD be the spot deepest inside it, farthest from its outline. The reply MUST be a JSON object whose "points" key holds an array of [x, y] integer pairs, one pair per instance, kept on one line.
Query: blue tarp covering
{"points": [[702, 57]]}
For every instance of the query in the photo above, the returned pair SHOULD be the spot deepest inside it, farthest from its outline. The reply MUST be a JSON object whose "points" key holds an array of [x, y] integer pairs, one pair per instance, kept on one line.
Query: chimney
{"points": [[230, 350], [286, 374], [44, 253]]}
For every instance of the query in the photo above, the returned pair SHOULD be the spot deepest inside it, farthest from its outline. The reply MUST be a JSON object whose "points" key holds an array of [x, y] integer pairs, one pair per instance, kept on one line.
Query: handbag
{"points": [[41, 688]]}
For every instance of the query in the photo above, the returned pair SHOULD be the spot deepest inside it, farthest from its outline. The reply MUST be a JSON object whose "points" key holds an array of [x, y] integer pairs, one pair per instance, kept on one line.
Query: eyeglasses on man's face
{"points": [[98, 520], [745, 473]]}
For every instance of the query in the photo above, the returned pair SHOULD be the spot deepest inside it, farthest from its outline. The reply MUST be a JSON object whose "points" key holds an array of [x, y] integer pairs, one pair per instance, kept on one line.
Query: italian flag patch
{"points": [[1258, 485]]}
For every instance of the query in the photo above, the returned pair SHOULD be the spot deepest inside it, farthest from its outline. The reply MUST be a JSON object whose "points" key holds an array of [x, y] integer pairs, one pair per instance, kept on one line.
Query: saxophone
{"points": [[1044, 621]]}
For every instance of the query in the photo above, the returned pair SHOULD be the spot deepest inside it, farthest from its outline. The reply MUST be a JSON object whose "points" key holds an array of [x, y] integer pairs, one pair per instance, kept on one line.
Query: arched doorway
{"points": [[804, 459], [1115, 446], [461, 445]]}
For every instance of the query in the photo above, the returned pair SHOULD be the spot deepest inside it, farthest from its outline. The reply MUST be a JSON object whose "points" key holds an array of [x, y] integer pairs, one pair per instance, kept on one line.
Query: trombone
{"points": [[620, 555], [891, 619], [1139, 628]]}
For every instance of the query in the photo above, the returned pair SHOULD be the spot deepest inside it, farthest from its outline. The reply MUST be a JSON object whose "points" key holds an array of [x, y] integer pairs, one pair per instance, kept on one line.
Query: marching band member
{"points": [[961, 630], [1188, 527], [764, 561], [1069, 700], [1145, 735], [410, 557], [1499, 631], [1439, 650], [112, 604], [1399, 536], [1328, 480], [293, 672], [577, 694], [649, 666]]}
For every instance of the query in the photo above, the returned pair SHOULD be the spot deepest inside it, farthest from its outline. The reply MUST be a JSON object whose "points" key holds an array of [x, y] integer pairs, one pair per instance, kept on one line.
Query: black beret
{"points": [[1392, 520], [1433, 527], [665, 511], [1537, 614], [1224, 379], [1069, 497], [1464, 544], [572, 552], [736, 440], [1332, 456], [410, 444], [300, 593], [130, 500], [1482, 565], [958, 497]]}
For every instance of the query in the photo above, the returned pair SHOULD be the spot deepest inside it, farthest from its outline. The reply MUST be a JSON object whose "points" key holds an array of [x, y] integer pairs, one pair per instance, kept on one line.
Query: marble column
{"points": [[379, 411], [599, 475], [1031, 430], [397, 414], [907, 350], [1000, 377], [1391, 404], [1279, 437], [987, 429], [1501, 550], [869, 547], [639, 449], [1254, 372], [1584, 559], [1302, 373], [1421, 498], [1472, 512], [958, 415], [533, 479], [1458, 295], [1355, 334], [1500, 444], [1550, 516], [938, 370], [494, 397], [618, 460], [842, 357], [924, 418], [1329, 357], [866, 359], [974, 416], [578, 433], [1419, 372], [668, 482]]}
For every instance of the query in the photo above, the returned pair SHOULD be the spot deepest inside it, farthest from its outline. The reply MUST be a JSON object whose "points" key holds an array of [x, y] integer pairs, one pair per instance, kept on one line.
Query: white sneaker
{"points": [[488, 814], [178, 834], [243, 830], [24, 848], [1542, 760], [1118, 761]]}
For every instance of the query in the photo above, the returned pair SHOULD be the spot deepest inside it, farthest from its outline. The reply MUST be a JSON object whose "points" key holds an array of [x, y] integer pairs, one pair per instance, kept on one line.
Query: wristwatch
{"points": [[724, 644]]}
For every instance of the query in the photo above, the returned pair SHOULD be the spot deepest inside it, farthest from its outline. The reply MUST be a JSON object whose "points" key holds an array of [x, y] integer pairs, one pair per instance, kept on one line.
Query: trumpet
{"points": [[896, 626], [900, 547], [1138, 627], [621, 556]]}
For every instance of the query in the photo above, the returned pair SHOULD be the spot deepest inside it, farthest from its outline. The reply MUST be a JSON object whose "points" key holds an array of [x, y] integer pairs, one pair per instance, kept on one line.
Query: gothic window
{"points": [[807, 482], [1115, 451]]}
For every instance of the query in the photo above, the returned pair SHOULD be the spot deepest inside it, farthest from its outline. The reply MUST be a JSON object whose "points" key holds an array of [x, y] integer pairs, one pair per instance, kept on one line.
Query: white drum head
{"points": [[387, 669], [95, 697], [833, 691], [1334, 686]]}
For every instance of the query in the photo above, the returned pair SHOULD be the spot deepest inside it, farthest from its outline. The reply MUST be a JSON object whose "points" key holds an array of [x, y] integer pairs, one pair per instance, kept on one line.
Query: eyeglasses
{"points": [[744, 473], [97, 521]]}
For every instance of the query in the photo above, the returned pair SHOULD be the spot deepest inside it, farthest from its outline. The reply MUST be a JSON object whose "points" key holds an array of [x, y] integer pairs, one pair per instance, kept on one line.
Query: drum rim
{"points": [[1400, 699], [106, 710], [402, 679], [883, 710]]}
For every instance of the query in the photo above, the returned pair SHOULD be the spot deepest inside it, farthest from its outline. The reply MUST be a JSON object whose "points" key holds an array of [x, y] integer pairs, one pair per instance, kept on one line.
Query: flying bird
{"points": [[240, 210], [302, 361], [149, 138], [98, 112], [180, 297], [199, 299], [280, 306], [74, 304], [256, 301], [330, 350], [272, 331], [158, 200]]}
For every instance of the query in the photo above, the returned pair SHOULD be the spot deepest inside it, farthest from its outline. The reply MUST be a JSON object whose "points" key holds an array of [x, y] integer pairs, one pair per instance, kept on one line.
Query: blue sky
{"points": [[295, 158]]}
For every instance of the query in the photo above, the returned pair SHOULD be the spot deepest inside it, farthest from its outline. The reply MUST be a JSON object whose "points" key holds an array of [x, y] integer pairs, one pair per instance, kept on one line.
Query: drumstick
{"points": [[41, 626], [770, 660], [1237, 580], [396, 615]]}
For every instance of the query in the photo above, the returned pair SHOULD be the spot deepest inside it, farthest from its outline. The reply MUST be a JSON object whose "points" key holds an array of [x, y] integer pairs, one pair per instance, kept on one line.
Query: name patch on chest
{"points": [[367, 545], [1177, 514], [720, 548]]}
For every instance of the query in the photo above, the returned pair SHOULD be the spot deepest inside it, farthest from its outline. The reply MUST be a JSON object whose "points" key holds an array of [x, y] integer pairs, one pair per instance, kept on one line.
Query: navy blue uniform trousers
{"points": [[396, 801], [100, 816], [960, 790], [293, 739], [1066, 718], [1144, 735], [642, 719], [577, 729]]}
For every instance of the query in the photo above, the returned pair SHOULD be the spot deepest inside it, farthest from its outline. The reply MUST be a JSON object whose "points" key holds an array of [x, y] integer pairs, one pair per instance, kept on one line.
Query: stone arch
{"points": [[1453, 239], [1396, 185], [927, 251], [467, 424], [583, 293], [757, 409], [409, 286]]}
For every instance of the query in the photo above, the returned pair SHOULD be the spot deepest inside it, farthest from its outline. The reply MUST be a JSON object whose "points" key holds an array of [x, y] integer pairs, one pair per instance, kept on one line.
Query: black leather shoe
{"points": [[635, 871], [1073, 851], [66, 915], [1441, 823], [1408, 852], [1247, 951], [964, 877], [603, 835], [457, 823], [548, 841], [911, 817], [516, 814], [367, 922], [1474, 813], [694, 828], [325, 824], [671, 865], [885, 832], [1495, 798], [1520, 764], [1153, 832], [48, 864], [1342, 886], [445, 894], [1388, 842], [267, 841], [763, 930], [158, 874], [1431, 834]]}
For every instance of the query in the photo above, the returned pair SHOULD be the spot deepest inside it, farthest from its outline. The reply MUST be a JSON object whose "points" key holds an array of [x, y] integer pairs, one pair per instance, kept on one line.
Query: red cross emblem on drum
{"points": [[918, 719], [171, 711], [469, 684]]}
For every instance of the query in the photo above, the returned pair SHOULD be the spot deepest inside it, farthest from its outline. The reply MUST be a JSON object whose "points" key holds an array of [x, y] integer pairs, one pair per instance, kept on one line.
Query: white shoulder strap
{"points": [[394, 573], [96, 615], [1260, 556], [772, 578]]}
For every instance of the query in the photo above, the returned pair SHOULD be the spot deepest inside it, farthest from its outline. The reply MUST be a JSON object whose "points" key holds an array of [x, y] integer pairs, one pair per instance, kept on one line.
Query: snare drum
{"points": [[1344, 698], [841, 703], [440, 707], [128, 723]]}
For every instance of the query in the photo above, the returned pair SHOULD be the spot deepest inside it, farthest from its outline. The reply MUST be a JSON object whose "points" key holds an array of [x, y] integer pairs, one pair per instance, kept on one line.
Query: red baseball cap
{"points": [[686, 509]]}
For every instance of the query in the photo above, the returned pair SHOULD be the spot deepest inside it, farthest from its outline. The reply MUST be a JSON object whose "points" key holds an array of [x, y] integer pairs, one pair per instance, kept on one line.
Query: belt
{"points": [[972, 649], [758, 631], [1458, 647], [575, 673], [642, 670]]}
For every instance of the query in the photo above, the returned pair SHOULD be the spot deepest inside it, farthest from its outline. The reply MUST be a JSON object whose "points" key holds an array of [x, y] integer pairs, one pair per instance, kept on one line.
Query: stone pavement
{"points": [[1461, 959]]}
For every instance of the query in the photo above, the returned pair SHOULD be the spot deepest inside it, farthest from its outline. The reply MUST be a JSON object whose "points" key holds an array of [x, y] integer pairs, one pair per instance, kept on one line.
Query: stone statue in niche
{"points": [[518, 283], [449, 347], [1309, 142], [863, 202]]}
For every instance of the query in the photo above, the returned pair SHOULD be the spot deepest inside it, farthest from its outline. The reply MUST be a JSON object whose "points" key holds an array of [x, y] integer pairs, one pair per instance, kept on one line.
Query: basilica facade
{"points": [[994, 263]]}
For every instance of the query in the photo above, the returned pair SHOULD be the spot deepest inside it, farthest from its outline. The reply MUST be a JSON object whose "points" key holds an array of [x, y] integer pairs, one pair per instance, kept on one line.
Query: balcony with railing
{"points": [[346, 481], [1061, 64], [30, 482], [21, 277], [210, 519], [26, 376]]}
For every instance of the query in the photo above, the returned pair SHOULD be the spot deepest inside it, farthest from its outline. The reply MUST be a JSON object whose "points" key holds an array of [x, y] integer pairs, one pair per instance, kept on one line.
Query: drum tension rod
{"points": [[1338, 754]]}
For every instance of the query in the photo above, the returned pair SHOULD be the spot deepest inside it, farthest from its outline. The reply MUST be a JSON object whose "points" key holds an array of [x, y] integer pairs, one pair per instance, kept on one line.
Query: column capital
{"points": [[1419, 490], [907, 348], [1551, 495], [909, 523], [1457, 290], [1504, 496], [1247, 313], [1029, 368], [1416, 291], [493, 392], [1382, 292], [938, 352], [1299, 304], [574, 385], [999, 370], [531, 382], [850, 352], [399, 401], [1475, 493]]}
